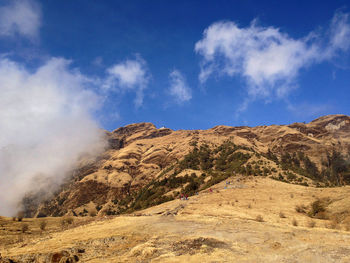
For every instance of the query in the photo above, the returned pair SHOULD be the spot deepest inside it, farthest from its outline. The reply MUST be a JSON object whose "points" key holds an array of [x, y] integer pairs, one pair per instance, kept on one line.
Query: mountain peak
{"points": [[134, 128]]}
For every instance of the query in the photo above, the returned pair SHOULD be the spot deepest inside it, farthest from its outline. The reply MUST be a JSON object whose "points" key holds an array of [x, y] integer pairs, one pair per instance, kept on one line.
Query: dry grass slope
{"points": [[205, 228]]}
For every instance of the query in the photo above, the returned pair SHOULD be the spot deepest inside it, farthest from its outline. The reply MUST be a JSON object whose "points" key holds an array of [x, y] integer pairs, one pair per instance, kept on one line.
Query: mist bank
{"points": [[46, 126]]}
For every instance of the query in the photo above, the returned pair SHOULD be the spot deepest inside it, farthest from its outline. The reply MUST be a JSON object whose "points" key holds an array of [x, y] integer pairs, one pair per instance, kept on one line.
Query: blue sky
{"points": [[186, 64]]}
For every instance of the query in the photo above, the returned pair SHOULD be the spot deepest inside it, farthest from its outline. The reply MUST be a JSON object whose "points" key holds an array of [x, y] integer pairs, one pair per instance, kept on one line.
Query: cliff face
{"points": [[140, 153]]}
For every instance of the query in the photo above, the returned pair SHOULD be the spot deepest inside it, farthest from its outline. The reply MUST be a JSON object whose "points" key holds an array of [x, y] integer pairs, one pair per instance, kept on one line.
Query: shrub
{"points": [[291, 176], [63, 222], [294, 222], [20, 216], [43, 224], [67, 221], [322, 215], [347, 227], [25, 228], [70, 220], [300, 209], [191, 187], [331, 225], [92, 213], [311, 224], [337, 218], [317, 207], [259, 218]]}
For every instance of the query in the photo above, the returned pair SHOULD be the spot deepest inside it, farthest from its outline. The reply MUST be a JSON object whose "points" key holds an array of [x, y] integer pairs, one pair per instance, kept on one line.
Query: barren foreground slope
{"points": [[252, 219]]}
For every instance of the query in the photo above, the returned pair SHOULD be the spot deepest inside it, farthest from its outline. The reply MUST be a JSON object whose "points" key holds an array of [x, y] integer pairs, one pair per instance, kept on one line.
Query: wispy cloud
{"points": [[267, 59], [22, 17], [129, 75], [339, 34], [179, 88], [309, 110]]}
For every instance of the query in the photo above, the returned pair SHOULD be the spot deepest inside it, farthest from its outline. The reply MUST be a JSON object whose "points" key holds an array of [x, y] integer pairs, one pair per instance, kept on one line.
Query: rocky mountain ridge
{"points": [[141, 157]]}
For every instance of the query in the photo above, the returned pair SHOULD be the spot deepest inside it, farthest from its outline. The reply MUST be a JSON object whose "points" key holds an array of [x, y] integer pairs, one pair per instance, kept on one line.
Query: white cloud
{"points": [[178, 87], [339, 33], [268, 59], [46, 125], [129, 75], [21, 17], [309, 110]]}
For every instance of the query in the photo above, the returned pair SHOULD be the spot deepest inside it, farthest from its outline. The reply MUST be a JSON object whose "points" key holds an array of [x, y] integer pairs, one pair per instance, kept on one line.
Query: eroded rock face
{"points": [[138, 153], [336, 126], [134, 128]]}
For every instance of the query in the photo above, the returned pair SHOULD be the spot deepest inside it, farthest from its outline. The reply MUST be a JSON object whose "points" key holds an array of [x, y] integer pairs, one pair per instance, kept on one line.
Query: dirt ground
{"points": [[248, 220]]}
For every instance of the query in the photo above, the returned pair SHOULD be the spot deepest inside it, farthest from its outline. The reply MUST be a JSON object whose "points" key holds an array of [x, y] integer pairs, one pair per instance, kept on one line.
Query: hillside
{"points": [[253, 219], [145, 166], [260, 194]]}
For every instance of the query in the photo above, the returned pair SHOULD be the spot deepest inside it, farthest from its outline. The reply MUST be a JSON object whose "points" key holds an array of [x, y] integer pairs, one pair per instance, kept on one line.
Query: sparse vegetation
{"points": [[20, 216], [25, 227], [301, 209], [43, 224], [259, 218], [294, 222], [92, 213], [317, 209], [331, 225], [336, 168], [218, 164], [67, 220], [311, 224], [347, 226]]}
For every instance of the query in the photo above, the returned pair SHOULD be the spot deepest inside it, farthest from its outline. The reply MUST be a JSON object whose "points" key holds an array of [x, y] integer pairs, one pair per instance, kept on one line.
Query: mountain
{"points": [[227, 194], [146, 166]]}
